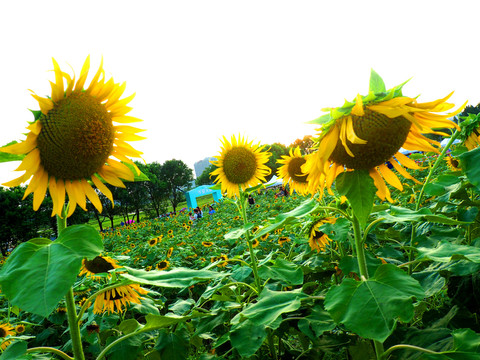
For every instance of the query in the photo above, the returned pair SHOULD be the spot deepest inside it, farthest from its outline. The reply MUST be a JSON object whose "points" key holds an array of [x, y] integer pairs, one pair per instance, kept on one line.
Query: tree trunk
{"points": [[99, 222]]}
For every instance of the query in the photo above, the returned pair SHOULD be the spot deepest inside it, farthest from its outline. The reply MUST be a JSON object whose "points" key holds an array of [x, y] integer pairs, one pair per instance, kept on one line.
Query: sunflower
{"points": [[99, 265], [73, 140], [116, 300], [453, 163], [317, 238], [5, 330], [282, 240], [264, 236], [291, 171], [169, 252], [207, 243], [368, 132], [240, 165], [163, 265], [255, 243], [170, 232], [20, 329], [153, 242]]}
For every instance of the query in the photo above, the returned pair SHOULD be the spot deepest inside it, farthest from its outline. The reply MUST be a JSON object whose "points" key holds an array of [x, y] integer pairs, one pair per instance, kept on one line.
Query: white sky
{"points": [[204, 69]]}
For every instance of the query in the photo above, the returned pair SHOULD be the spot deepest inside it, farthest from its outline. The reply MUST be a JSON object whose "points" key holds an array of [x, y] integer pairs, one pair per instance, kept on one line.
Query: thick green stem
{"points": [[361, 259], [362, 265], [70, 302]]}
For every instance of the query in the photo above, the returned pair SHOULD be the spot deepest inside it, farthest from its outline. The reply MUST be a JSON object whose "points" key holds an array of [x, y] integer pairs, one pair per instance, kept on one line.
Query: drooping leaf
{"points": [[248, 337], [315, 324], [446, 252], [176, 278], [371, 308], [360, 191], [173, 345], [39, 272], [399, 214]]}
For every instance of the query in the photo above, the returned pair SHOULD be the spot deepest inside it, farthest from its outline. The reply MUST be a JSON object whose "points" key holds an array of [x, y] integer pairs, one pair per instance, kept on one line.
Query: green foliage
{"points": [[40, 272], [205, 178]]}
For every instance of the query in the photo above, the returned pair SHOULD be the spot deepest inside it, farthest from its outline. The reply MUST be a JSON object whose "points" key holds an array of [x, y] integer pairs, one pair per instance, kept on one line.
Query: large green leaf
{"points": [[293, 216], [315, 324], [399, 214], [39, 272], [371, 308], [446, 252], [173, 345], [360, 191], [248, 338], [16, 351], [270, 305], [284, 271], [176, 278], [470, 161]]}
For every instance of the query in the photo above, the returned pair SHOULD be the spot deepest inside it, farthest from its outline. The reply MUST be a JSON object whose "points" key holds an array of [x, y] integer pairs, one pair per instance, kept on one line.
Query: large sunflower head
{"points": [[74, 139], [291, 171], [368, 132], [240, 165], [117, 299], [98, 265]]}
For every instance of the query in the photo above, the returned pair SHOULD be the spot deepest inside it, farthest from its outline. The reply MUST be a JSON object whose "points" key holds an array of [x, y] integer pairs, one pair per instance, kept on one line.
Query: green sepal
{"points": [[37, 114], [136, 176], [324, 119], [376, 83]]}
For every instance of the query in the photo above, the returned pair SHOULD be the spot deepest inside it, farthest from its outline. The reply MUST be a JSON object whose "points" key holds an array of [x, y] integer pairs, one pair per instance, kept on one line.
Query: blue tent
{"points": [[192, 195]]}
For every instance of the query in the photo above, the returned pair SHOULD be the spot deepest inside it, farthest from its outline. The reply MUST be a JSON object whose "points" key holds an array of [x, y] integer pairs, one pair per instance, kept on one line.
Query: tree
{"points": [[204, 178], [305, 144], [277, 150], [469, 109], [156, 188], [178, 177]]}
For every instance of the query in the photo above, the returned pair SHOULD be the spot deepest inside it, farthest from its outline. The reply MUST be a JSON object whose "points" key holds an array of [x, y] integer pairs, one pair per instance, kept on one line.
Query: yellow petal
{"points": [[110, 177], [57, 88], [406, 161], [32, 186], [81, 82], [343, 138], [358, 108], [351, 136], [390, 177], [126, 119], [92, 195], [121, 170], [40, 191], [96, 77], [45, 104], [402, 171], [101, 186]]}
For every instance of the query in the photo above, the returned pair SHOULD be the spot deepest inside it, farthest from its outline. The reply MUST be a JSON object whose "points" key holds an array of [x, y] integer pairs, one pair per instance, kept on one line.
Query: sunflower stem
{"points": [[253, 258], [45, 349], [70, 302], [362, 266]]}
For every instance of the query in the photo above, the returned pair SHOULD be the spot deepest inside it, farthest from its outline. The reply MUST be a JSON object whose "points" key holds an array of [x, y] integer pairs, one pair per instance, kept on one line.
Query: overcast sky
{"points": [[204, 69]]}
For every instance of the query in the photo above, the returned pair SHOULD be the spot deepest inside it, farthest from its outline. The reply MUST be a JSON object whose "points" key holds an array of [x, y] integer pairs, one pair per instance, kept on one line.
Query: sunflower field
{"points": [[354, 257]]}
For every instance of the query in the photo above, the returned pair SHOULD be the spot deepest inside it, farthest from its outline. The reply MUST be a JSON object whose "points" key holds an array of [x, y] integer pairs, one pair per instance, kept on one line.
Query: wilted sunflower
{"points": [[240, 165], [163, 265], [368, 132], [99, 265], [117, 299], [73, 140], [5, 330], [317, 238], [291, 171], [453, 163]]}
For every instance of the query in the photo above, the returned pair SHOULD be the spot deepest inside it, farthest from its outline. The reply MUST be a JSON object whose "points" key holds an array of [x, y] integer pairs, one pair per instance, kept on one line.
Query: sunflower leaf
{"points": [[372, 308], [376, 83], [360, 190], [470, 161], [39, 272]]}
